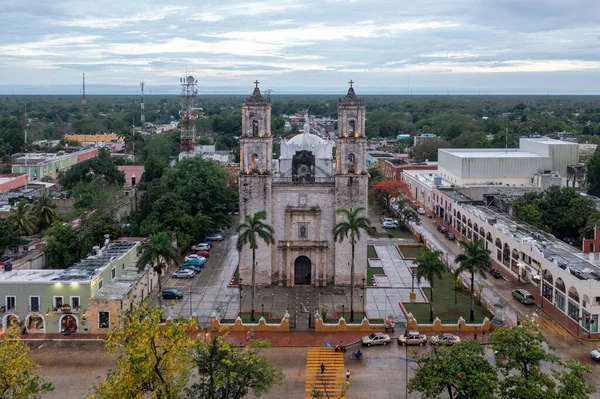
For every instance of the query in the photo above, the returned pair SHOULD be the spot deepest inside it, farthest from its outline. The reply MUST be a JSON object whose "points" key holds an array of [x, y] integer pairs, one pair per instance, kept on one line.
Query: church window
{"points": [[254, 162], [255, 128], [351, 163]]}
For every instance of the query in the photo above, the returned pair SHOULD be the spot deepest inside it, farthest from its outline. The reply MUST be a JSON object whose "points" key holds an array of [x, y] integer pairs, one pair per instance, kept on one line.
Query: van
{"points": [[523, 296]]}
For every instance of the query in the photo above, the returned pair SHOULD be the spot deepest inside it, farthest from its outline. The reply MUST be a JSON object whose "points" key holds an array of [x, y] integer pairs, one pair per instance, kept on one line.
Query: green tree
{"points": [[158, 251], [18, 372], [520, 352], [460, 370], [8, 236], [45, 211], [430, 267], [408, 215], [474, 259], [98, 224], [23, 218], [249, 231], [153, 359], [226, 372], [65, 245], [428, 149], [349, 228], [571, 382], [88, 169]]}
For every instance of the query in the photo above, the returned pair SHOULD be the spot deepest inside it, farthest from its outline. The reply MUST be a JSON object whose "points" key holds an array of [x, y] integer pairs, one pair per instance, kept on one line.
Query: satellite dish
{"points": [[190, 79]]}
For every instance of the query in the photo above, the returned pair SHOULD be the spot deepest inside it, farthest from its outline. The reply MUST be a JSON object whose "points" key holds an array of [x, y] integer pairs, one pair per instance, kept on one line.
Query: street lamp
{"points": [[191, 301], [364, 299], [241, 295], [344, 311], [578, 324], [262, 305]]}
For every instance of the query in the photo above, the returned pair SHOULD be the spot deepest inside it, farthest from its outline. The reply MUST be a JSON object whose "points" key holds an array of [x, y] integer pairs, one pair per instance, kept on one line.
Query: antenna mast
{"points": [[187, 119], [25, 125], [83, 99], [142, 115]]}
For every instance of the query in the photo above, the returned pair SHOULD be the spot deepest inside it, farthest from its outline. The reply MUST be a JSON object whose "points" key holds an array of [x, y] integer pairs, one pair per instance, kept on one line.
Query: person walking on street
{"points": [[322, 368], [348, 375]]}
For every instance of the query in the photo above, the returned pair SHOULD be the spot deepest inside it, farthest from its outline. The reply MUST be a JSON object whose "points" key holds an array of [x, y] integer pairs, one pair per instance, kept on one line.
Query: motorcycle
{"points": [[340, 348], [354, 356]]}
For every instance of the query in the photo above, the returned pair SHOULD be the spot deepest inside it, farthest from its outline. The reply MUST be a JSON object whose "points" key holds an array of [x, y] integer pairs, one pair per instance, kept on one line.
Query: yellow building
{"points": [[92, 138]]}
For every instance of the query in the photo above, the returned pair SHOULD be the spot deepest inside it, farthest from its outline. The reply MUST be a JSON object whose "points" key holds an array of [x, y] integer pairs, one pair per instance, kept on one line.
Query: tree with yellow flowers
{"points": [[18, 372], [154, 359]]}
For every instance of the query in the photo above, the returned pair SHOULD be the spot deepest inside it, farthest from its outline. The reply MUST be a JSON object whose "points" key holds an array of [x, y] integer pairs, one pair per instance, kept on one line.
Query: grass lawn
{"points": [[371, 253], [394, 233], [410, 251], [371, 271], [443, 304]]}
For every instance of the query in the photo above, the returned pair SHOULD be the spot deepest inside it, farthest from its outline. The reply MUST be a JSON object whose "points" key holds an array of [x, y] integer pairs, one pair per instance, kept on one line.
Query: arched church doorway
{"points": [[302, 270]]}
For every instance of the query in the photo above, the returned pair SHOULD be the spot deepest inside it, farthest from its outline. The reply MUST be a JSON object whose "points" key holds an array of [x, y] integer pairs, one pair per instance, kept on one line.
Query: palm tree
{"points": [[429, 266], [248, 232], [475, 259], [350, 228], [45, 211], [24, 220], [158, 251]]}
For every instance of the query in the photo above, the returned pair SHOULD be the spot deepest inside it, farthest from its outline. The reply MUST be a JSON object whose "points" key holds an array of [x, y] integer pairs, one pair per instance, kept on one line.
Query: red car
{"points": [[204, 253], [442, 229]]}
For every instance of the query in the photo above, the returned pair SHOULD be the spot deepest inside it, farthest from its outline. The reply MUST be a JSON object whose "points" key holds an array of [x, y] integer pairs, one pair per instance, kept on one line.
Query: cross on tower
{"points": [[256, 82], [350, 83]]}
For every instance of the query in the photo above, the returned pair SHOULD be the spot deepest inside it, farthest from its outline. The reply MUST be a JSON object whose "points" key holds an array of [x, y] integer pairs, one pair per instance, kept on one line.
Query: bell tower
{"points": [[351, 182], [255, 179]]}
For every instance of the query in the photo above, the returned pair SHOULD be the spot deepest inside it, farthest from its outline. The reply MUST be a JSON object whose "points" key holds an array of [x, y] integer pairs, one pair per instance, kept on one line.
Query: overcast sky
{"points": [[492, 46]]}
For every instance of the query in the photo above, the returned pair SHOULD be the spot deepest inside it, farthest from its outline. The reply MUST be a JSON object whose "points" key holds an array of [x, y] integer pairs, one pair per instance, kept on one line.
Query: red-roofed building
{"points": [[11, 181]]}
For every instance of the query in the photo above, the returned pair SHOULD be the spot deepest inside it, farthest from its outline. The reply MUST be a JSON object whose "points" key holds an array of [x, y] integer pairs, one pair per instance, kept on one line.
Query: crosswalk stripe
{"points": [[334, 377]]}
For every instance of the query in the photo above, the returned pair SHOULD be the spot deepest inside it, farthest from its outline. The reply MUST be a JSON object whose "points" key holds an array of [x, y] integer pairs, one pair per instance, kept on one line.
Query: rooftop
{"points": [[546, 140], [120, 286], [489, 153], [42, 158]]}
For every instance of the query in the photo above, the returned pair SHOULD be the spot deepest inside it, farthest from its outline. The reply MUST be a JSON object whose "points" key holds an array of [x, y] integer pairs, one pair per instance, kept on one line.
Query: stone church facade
{"points": [[301, 192]]}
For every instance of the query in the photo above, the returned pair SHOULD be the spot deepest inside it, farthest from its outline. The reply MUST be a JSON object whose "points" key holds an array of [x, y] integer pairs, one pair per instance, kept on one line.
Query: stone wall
{"points": [[261, 326]]}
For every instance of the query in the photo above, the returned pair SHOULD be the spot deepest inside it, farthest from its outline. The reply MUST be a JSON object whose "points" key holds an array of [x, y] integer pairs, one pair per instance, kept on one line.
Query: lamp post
{"points": [[364, 299], [591, 325], [344, 311], [241, 295], [191, 301], [262, 305], [578, 324]]}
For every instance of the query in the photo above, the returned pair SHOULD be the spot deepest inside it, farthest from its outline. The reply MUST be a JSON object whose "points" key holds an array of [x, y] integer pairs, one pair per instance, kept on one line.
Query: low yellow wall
{"points": [[92, 138], [341, 325], [262, 325], [438, 327]]}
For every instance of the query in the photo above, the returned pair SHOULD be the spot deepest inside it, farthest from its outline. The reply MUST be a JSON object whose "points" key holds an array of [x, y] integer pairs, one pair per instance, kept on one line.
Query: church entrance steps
{"points": [[330, 380]]}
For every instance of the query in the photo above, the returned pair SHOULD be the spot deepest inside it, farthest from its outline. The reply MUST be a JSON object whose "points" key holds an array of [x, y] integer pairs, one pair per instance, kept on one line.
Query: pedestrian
{"points": [[519, 278], [348, 375], [251, 333], [458, 328], [483, 336], [322, 368]]}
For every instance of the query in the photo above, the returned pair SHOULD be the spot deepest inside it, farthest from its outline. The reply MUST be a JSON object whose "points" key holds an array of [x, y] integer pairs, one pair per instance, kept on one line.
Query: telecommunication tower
{"points": [[142, 115], [187, 117], [83, 99]]}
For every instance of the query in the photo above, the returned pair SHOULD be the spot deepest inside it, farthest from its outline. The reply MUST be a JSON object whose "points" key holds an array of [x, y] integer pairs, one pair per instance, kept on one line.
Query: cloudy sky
{"points": [[388, 46]]}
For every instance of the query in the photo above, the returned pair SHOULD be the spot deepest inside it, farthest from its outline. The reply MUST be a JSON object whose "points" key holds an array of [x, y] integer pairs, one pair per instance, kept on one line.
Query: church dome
{"points": [[306, 139]]}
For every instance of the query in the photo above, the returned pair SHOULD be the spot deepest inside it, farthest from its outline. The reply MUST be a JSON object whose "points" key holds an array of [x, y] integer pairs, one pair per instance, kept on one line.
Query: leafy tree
{"points": [[520, 352], [226, 372], [474, 259], [249, 231], [45, 211], [100, 223], [588, 230], [408, 215], [385, 190], [375, 174], [428, 149], [88, 169], [349, 228], [158, 251], [18, 372], [8, 237], [571, 382], [460, 370], [430, 267], [470, 140], [65, 245], [153, 359], [23, 218]]}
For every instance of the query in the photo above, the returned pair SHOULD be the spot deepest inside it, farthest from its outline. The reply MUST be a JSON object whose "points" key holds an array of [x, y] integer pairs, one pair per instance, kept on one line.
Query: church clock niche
{"points": [[303, 167]]}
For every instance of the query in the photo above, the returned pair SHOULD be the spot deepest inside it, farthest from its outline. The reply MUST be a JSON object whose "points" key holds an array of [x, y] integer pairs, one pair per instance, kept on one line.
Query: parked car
{"points": [[389, 220], [523, 296], [496, 273], [412, 338], [450, 235], [207, 242], [172, 293], [203, 253], [376, 339], [194, 257], [595, 354], [195, 268], [389, 225], [201, 247], [197, 262], [420, 211], [442, 229], [184, 273], [215, 237], [444, 339]]}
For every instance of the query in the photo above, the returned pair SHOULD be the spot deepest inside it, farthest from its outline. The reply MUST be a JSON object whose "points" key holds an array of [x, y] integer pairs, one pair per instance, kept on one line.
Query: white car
{"points": [[215, 237], [194, 257], [595, 354], [376, 339], [390, 220], [183, 273], [445, 339], [389, 225], [420, 211], [201, 247]]}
